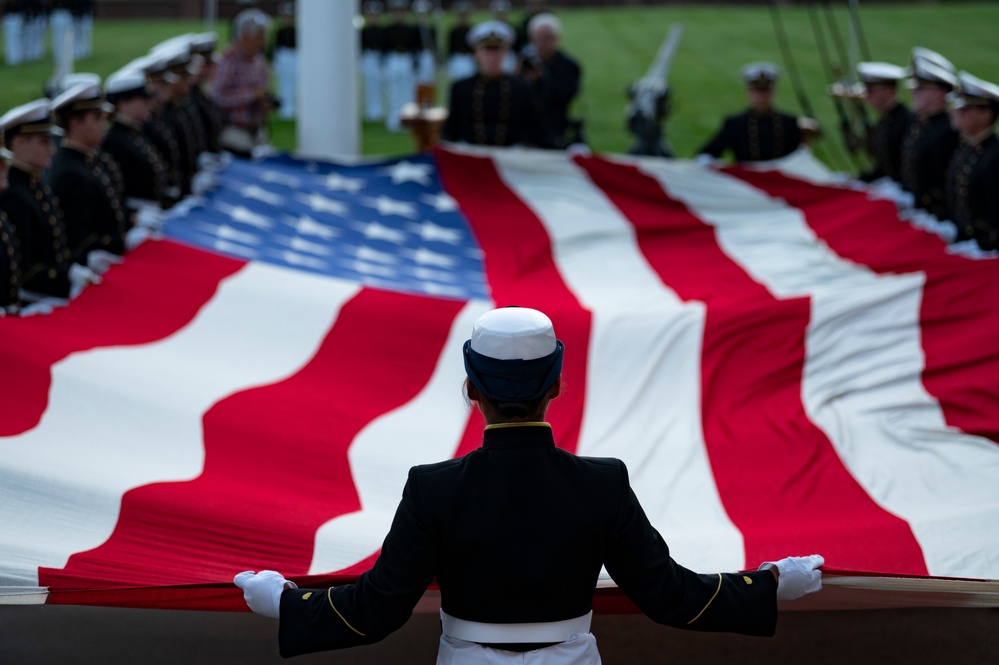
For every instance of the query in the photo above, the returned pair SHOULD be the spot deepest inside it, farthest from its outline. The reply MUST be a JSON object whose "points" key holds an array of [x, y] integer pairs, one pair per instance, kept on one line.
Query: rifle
{"points": [[649, 103]]}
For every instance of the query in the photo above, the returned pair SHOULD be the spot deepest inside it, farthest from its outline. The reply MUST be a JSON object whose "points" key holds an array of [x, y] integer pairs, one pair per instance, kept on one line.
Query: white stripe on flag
{"points": [[106, 430], [642, 402], [862, 378], [427, 429]]}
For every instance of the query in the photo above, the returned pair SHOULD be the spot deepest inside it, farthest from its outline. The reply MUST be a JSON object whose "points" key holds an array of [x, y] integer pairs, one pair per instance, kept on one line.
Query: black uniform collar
{"points": [[518, 435]]}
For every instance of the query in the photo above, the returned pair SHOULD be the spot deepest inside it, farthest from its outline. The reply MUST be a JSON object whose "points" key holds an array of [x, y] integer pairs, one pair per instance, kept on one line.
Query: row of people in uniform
{"points": [[81, 191], [25, 23], [943, 151], [530, 106]]}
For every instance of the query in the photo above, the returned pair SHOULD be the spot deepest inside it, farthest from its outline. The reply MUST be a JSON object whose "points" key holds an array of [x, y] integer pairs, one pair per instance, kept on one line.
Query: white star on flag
{"points": [[320, 203], [305, 225], [367, 254], [305, 261], [376, 231], [245, 215], [409, 172], [425, 257], [387, 206], [279, 178], [371, 269], [233, 248], [340, 183], [303, 245], [440, 202], [225, 232], [431, 232], [261, 194]]}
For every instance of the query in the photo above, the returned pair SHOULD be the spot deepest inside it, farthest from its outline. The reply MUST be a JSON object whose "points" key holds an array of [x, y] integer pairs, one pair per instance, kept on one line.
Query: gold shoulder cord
{"points": [[330, 598], [709, 602]]}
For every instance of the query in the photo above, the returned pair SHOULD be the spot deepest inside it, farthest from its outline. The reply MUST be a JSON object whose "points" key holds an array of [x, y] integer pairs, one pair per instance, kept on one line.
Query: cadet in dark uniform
{"points": [[930, 141], [95, 217], [492, 108], [10, 258], [884, 141], [143, 169], [973, 173], [156, 129], [516, 533], [47, 265], [203, 48], [760, 133]]}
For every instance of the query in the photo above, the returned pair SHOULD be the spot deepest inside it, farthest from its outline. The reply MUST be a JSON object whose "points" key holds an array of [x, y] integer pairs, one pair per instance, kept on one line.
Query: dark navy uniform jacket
{"points": [[884, 143], [143, 169], [754, 137], [927, 148], [500, 111], [37, 220], [10, 267], [973, 192], [516, 532], [95, 218]]}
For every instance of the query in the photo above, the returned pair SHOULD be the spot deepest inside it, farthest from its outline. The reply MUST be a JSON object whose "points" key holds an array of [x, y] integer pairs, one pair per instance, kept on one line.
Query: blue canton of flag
{"points": [[388, 225]]}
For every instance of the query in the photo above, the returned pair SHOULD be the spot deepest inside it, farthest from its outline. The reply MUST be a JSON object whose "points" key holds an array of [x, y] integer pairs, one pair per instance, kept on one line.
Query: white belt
{"points": [[514, 633]]}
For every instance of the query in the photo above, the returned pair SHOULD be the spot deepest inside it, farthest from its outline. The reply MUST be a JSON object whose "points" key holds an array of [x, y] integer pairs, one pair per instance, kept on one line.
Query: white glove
{"points": [[136, 236], [262, 591], [203, 182], [80, 277], [799, 575], [149, 218], [100, 261], [37, 308]]}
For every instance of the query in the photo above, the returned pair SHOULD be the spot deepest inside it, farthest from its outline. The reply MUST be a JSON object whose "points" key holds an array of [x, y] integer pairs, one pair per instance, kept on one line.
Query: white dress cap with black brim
{"points": [[923, 72], [126, 83], [880, 72], [491, 33], [973, 91], [513, 354], [82, 97], [760, 74], [31, 118]]}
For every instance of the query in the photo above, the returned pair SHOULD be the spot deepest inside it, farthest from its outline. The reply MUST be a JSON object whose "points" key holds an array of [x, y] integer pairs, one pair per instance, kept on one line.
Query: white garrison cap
{"points": [[31, 118], [491, 33], [880, 72], [760, 74], [513, 333], [973, 91], [82, 97]]}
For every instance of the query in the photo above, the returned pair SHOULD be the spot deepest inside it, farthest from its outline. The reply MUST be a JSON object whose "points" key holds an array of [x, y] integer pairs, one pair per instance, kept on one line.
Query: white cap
{"points": [[929, 66], [125, 81], [879, 72], [513, 333], [73, 79], [545, 20], [82, 97], [491, 33], [974, 92], [31, 118], [179, 42], [760, 74]]}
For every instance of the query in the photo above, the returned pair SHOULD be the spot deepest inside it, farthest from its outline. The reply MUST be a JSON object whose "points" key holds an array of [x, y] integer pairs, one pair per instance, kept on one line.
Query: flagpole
{"points": [[328, 119]]}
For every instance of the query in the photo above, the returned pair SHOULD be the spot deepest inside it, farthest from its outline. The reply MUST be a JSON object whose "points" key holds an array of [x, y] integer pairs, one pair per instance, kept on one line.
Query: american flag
{"points": [[787, 366]]}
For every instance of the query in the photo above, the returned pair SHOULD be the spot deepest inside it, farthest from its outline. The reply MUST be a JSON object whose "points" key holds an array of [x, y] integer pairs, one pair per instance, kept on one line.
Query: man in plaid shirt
{"points": [[240, 87]]}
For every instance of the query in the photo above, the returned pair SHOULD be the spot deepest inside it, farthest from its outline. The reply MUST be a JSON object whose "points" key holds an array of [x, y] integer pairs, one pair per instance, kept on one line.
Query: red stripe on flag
{"points": [[959, 316], [521, 271], [119, 312], [276, 466], [779, 478]]}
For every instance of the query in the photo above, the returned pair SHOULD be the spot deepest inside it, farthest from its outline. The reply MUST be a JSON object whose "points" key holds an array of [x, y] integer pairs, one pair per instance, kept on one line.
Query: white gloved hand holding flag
{"points": [[798, 575], [262, 591]]}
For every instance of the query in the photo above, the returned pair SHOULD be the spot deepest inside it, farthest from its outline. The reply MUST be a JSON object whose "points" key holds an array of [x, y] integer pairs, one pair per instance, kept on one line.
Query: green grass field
{"points": [[615, 46]]}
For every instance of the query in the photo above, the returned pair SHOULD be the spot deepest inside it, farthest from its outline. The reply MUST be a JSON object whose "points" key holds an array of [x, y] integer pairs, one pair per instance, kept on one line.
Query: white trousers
{"points": [[401, 82], [13, 25], [61, 24], [426, 68], [285, 68], [580, 649], [34, 46], [371, 75]]}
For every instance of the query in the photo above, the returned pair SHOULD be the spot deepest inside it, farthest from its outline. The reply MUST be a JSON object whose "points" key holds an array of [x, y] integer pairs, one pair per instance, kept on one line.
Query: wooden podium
{"points": [[423, 119]]}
